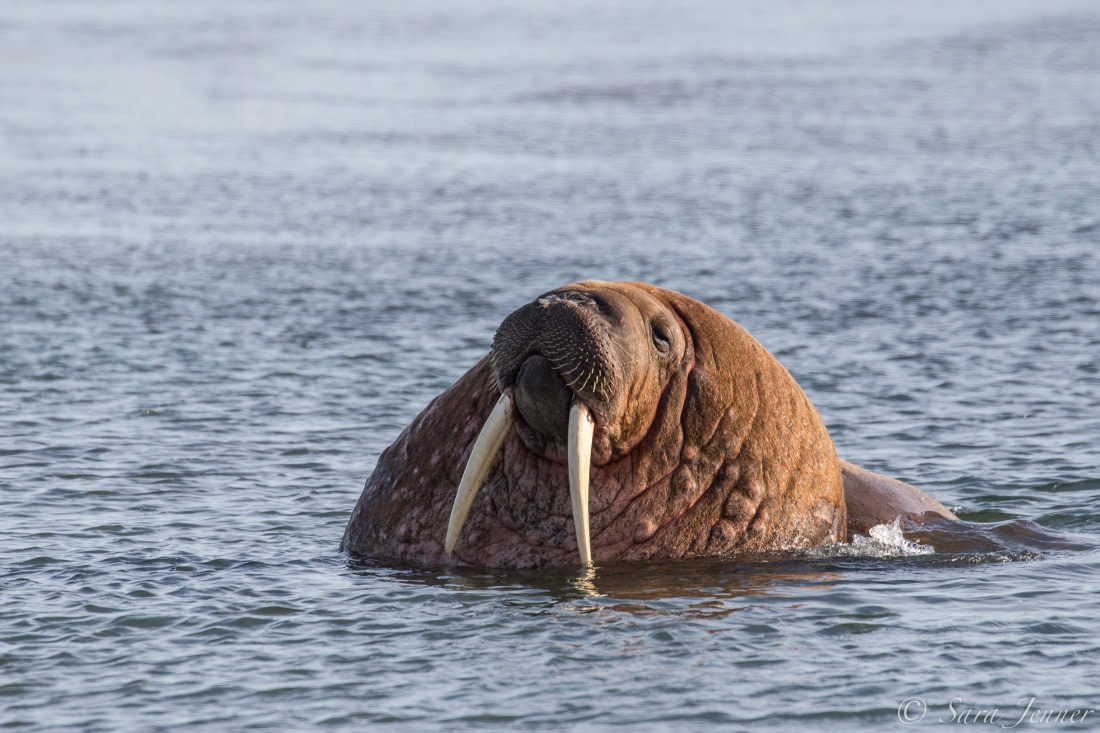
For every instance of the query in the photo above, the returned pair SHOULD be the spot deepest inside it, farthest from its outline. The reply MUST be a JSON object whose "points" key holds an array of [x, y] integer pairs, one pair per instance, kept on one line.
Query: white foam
{"points": [[882, 540], [886, 540]]}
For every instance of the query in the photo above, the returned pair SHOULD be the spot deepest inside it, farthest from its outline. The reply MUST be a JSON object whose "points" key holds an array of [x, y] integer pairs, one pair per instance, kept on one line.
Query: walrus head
{"points": [[601, 346], [609, 421], [585, 366]]}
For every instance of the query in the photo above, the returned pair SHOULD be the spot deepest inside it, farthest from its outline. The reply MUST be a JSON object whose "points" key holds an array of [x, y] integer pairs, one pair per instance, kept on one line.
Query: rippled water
{"points": [[243, 245]]}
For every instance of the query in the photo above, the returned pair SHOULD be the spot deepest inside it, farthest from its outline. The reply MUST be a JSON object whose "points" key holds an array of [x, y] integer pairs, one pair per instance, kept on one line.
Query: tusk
{"points": [[580, 461], [481, 457]]}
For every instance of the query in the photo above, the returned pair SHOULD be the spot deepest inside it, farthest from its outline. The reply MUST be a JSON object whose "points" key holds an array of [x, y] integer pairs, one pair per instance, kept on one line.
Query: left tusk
{"points": [[481, 457], [580, 461]]}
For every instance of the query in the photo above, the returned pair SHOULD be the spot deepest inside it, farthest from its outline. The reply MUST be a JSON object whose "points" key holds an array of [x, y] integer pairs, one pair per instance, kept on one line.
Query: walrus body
{"points": [[701, 444]]}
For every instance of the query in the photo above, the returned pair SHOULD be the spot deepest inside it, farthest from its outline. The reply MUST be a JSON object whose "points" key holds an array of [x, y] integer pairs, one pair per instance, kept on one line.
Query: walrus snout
{"points": [[543, 399], [570, 331]]}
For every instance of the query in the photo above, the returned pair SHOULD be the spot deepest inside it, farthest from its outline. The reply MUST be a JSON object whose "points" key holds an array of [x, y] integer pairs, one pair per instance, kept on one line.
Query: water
{"points": [[242, 246]]}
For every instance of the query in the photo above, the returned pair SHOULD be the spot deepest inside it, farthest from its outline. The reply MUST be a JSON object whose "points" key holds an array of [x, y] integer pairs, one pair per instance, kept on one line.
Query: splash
{"points": [[882, 540], [886, 540]]}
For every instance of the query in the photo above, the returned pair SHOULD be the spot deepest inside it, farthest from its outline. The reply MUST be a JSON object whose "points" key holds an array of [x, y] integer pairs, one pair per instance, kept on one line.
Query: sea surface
{"points": [[243, 244]]}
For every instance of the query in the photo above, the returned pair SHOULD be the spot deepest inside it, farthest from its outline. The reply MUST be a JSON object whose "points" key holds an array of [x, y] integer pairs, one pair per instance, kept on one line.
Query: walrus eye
{"points": [[662, 338]]}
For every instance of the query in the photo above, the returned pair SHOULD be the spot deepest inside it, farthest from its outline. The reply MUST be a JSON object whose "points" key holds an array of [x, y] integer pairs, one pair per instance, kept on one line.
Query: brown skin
{"points": [[876, 499], [704, 445]]}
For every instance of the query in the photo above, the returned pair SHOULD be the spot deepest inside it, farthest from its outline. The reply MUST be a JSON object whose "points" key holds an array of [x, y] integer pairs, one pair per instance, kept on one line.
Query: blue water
{"points": [[242, 245]]}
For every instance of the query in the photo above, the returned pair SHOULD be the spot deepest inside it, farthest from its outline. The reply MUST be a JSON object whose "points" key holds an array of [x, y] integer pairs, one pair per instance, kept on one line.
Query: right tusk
{"points": [[481, 457], [580, 461]]}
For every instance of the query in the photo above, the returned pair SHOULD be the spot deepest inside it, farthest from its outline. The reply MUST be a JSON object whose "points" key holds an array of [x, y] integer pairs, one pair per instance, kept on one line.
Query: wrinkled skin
{"points": [[703, 445]]}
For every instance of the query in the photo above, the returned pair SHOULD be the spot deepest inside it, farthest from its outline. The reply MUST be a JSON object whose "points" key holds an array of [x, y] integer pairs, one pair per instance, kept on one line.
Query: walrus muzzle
{"points": [[485, 449]]}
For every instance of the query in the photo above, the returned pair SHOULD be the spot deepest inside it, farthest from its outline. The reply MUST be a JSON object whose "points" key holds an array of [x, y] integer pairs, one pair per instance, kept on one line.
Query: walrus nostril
{"points": [[543, 399]]}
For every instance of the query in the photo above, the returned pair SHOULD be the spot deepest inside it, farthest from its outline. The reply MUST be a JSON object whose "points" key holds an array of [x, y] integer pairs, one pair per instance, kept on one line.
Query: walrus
{"points": [[617, 421]]}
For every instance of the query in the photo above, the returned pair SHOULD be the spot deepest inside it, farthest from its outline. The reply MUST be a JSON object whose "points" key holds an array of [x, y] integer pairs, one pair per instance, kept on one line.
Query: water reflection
{"points": [[715, 580], [707, 586]]}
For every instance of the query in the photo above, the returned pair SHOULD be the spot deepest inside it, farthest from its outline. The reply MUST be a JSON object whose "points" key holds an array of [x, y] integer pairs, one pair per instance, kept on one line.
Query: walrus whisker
{"points": [[570, 381], [580, 461], [481, 457], [587, 378], [571, 369], [574, 372]]}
